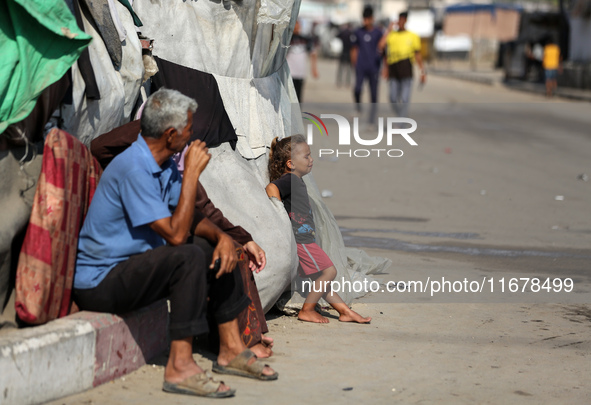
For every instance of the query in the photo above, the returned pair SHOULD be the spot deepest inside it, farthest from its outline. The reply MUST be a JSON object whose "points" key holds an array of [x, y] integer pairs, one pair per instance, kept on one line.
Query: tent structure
{"points": [[499, 22], [230, 56]]}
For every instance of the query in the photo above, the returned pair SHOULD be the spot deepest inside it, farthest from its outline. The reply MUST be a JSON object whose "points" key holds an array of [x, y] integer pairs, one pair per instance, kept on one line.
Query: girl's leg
{"points": [[321, 289], [319, 282], [335, 301]]}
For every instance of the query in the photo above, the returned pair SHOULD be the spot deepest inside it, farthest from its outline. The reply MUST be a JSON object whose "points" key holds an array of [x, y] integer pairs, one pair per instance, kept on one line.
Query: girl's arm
{"points": [[273, 191]]}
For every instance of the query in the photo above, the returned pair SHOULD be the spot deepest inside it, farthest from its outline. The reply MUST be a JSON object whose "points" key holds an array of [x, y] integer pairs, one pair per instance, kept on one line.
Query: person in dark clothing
{"points": [[367, 59]]}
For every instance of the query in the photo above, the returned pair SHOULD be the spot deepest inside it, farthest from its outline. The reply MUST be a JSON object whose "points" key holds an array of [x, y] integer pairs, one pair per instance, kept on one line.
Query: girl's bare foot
{"points": [[311, 316], [261, 350], [352, 316]]}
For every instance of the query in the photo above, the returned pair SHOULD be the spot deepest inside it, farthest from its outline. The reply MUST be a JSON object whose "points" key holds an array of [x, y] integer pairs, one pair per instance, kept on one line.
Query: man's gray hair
{"points": [[166, 109]]}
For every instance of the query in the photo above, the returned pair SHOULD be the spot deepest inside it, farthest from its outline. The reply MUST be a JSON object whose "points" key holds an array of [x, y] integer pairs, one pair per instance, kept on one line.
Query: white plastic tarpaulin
{"points": [[243, 45], [119, 89]]}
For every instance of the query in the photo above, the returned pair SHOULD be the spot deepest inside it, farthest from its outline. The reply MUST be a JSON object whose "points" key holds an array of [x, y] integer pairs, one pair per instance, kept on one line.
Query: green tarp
{"points": [[39, 41]]}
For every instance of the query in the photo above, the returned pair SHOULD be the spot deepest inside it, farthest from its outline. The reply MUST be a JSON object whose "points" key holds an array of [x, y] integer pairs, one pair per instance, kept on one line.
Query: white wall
{"points": [[341, 11]]}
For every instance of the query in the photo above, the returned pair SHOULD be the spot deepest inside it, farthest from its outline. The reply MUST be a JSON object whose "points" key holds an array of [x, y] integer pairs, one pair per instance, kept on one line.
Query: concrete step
{"points": [[78, 352]]}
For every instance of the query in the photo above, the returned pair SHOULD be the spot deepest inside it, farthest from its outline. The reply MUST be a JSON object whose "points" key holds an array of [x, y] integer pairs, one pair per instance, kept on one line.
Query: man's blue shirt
{"points": [[132, 193]]}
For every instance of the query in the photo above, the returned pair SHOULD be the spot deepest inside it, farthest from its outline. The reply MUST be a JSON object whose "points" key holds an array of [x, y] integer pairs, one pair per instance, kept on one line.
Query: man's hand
{"points": [[226, 252], [257, 260], [196, 158]]}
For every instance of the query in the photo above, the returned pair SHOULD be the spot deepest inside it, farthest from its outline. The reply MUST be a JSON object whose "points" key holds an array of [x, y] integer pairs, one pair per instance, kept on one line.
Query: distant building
{"points": [[577, 69], [342, 11], [580, 31]]}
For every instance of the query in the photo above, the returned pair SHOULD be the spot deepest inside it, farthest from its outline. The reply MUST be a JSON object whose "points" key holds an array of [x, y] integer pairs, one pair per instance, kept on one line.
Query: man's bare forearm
{"points": [[175, 229], [182, 218]]}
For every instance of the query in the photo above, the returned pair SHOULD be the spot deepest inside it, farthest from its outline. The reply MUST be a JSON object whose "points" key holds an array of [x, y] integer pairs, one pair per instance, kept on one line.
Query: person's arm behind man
{"points": [[256, 255]]}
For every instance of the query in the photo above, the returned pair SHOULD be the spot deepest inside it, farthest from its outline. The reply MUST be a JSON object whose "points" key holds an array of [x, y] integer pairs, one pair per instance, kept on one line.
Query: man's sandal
{"points": [[201, 385], [240, 367]]}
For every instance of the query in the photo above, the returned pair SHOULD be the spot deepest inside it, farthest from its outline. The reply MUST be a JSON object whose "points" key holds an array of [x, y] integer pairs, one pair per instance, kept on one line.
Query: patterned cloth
{"points": [[251, 321], [45, 272]]}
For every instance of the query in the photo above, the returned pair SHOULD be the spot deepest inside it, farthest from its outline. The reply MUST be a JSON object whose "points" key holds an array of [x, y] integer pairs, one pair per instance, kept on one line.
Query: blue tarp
{"points": [[471, 8]]}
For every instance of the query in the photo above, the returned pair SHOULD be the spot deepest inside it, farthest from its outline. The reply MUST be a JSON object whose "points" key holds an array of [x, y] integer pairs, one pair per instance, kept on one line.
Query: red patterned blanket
{"points": [[45, 272]]}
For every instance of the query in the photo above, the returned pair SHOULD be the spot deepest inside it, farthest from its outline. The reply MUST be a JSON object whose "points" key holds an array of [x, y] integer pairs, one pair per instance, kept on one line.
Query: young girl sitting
{"points": [[290, 159]]}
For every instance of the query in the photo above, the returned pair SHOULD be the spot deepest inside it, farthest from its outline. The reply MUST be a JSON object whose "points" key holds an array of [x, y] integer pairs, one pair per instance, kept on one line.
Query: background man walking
{"points": [[402, 49], [367, 59]]}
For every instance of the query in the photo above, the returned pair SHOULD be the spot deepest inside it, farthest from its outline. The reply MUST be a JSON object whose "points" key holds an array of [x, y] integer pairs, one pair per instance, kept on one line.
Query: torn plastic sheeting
{"points": [[276, 12], [87, 119], [259, 109], [271, 45], [267, 112], [219, 39], [117, 21], [256, 108], [104, 23]]}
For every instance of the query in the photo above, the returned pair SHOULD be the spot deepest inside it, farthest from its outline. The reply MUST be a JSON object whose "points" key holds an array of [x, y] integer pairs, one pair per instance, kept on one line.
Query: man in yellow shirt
{"points": [[552, 65], [403, 48]]}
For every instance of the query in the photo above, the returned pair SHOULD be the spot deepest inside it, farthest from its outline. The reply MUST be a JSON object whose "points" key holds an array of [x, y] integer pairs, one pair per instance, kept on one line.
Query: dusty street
{"points": [[498, 188]]}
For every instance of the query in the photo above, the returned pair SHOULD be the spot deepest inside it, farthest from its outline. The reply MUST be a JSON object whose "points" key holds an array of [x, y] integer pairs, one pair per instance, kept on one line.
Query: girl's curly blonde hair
{"points": [[280, 153]]}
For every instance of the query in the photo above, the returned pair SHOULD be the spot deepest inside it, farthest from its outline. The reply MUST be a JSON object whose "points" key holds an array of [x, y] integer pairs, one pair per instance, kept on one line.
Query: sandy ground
{"points": [[475, 200]]}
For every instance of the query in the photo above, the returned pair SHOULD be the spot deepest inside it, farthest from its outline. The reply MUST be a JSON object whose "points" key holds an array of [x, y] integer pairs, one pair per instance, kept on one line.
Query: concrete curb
{"points": [[536, 88], [78, 352], [562, 92], [466, 76]]}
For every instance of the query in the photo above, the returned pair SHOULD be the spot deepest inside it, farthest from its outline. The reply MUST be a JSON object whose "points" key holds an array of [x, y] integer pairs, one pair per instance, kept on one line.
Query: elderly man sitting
{"points": [[133, 249]]}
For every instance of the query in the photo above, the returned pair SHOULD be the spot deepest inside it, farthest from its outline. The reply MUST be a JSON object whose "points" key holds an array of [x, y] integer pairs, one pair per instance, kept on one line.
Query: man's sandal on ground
{"points": [[201, 385], [240, 367]]}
